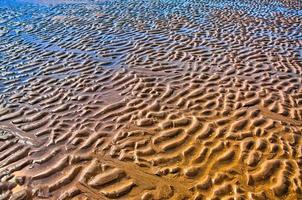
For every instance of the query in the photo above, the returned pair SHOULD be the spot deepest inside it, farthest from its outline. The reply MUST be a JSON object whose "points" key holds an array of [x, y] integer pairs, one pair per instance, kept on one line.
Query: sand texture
{"points": [[151, 99]]}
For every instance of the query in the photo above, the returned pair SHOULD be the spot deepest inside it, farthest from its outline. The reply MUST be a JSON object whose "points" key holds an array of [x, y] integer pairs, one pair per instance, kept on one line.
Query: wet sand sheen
{"points": [[151, 100]]}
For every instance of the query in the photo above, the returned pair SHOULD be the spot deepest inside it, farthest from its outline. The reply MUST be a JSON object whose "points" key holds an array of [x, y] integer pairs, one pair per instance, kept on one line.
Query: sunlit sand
{"points": [[152, 99]]}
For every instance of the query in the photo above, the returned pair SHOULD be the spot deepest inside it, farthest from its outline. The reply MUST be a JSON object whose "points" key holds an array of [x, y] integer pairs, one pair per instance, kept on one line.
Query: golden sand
{"points": [[151, 100]]}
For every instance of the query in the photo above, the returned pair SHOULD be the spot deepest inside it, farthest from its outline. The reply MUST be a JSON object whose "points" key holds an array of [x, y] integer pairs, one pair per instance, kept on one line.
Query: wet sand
{"points": [[151, 100]]}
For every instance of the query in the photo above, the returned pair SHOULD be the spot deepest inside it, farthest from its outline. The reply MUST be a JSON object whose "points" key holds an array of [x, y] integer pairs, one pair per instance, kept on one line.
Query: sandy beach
{"points": [[151, 99]]}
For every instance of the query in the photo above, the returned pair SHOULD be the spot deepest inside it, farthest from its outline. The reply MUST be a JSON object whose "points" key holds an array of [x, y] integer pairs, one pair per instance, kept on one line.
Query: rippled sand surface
{"points": [[151, 99]]}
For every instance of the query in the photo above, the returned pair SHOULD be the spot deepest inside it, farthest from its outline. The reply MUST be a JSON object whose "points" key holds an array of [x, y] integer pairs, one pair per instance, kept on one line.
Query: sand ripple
{"points": [[151, 100]]}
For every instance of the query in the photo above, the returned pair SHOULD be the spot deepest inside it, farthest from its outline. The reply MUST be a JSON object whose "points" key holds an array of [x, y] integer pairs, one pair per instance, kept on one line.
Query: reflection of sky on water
{"points": [[14, 3], [31, 12], [17, 3], [263, 10]]}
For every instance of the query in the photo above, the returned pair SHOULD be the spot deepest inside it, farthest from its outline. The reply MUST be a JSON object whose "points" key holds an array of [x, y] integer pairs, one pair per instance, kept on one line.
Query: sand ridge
{"points": [[151, 100]]}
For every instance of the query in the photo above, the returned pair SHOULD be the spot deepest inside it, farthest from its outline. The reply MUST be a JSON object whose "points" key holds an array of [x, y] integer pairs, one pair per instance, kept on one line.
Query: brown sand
{"points": [[183, 110]]}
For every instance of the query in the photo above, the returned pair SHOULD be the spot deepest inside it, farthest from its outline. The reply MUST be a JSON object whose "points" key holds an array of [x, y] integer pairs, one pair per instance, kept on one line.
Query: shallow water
{"points": [[150, 99]]}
